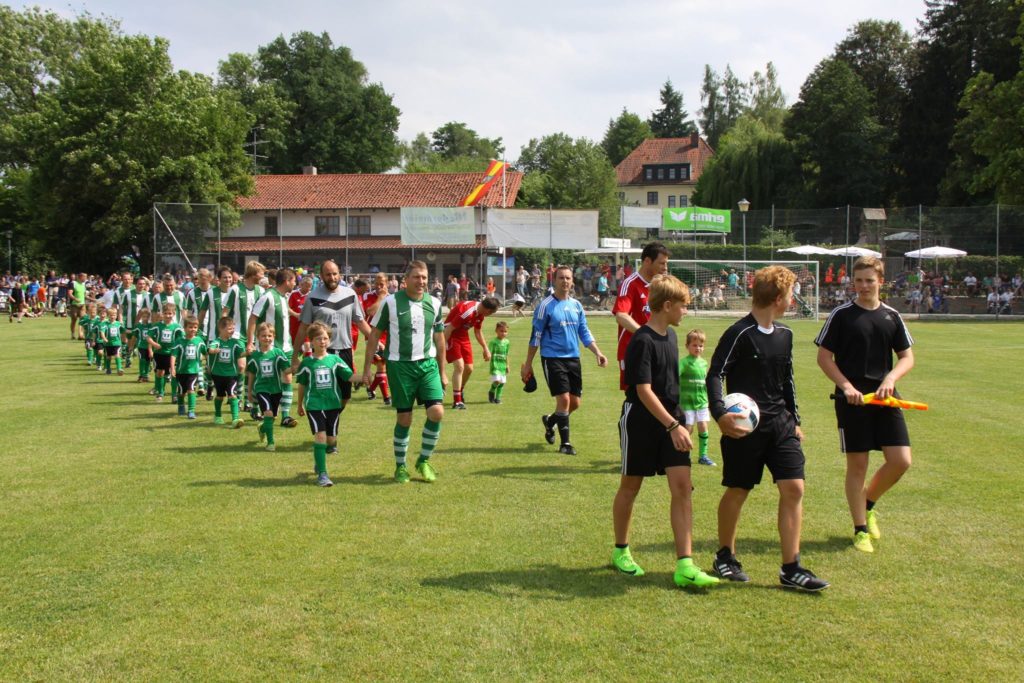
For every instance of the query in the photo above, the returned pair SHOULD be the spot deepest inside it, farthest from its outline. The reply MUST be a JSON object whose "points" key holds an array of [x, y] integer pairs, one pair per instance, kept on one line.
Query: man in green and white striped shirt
{"points": [[272, 308], [169, 295], [243, 296], [412, 318]]}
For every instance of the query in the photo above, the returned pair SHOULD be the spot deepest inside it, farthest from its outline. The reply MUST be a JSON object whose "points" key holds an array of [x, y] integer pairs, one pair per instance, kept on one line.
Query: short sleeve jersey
{"points": [[157, 302], [272, 308], [499, 356], [100, 330], [338, 309], [225, 362], [142, 331], [862, 342], [189, 355], [266, 368], [652, 358], [85, 322], [322, 377], [113, 333], [462, 317], [239, 303], [167, 335], [693, 391], [410, 326], [632, 300], [559, 325]]}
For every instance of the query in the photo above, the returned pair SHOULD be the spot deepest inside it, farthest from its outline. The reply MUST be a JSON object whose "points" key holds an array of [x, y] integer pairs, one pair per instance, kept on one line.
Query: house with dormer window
{"points": [[662, 172]]}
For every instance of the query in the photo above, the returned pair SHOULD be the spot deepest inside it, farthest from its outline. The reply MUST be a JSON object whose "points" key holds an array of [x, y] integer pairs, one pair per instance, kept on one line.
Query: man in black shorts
{"points": [[652, 438], [855, 349], [755, 357]]}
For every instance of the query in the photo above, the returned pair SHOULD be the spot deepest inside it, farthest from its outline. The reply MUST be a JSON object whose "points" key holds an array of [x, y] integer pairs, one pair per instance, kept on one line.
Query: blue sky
{"points": [[525, 69]]}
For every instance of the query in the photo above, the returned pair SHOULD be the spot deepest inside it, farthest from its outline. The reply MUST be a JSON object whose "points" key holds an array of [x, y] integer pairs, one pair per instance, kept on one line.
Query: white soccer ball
{"points": [[744, 406]]}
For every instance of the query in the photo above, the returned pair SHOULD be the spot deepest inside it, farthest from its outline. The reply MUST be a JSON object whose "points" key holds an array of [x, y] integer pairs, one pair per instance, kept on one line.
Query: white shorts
{"points": [[699, 415], [500, 379]]}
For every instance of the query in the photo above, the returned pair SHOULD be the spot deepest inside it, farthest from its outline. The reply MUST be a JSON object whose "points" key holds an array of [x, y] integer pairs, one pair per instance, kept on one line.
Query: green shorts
{"points": [[414, 381]]}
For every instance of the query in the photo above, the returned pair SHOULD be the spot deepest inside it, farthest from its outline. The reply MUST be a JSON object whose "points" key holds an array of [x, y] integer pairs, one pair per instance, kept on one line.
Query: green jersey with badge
{"points": [[189, 355], [266, 368], [112, 331], [693, 390], [142, 332], [85, 322], [225, 361], [99, 331], [322, 377], [410, 325], [167, 335], [499, 356]]}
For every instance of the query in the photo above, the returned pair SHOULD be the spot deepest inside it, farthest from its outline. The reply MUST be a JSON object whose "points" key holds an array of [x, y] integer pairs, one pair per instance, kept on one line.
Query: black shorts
{"points": [[112, 350], [226, 386], [563, 375], [162, 361], [346, 387], [646, 447], [187, 382], [268, 403], [869, 428], [323, 421], [145, 354], [773, 444]]}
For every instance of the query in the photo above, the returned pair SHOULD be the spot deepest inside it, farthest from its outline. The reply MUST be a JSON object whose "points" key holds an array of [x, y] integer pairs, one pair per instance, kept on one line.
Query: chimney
{"points": [[694, 141], [309, 170]]}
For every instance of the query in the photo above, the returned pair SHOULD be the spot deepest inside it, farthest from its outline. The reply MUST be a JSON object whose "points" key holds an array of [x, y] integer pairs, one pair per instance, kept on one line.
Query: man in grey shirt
{"points": [[337, 306]]}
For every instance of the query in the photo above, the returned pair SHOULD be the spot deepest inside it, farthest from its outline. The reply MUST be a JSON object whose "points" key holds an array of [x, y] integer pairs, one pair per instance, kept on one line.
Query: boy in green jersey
{"points": [[272, 308], [165, 337], [139, 341], [110, 336], [188, 362], [499, 361], [85, 322], [98, 321], [693, 391], [268, 372], [227, 362], [319, 395]]}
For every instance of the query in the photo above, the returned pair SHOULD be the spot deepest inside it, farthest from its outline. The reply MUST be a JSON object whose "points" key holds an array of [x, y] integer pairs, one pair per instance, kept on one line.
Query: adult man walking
{"points": [[631, 310]]}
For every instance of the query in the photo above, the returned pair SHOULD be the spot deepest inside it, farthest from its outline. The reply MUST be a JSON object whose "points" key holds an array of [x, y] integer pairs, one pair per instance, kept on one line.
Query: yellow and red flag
{"points": [[494, 171]]}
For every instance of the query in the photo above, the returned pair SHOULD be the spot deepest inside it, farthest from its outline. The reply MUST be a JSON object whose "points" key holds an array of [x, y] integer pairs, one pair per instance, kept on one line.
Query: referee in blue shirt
{"points": [[559, 325]]}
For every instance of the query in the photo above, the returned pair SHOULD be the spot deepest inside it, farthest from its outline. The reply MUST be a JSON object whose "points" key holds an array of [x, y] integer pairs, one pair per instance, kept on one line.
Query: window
{"points": [[359, 226], [649, 173], [671, 201], [684, 200], [652, 199], [326, 226], [684, 172], [270, 226], [661, 174]]}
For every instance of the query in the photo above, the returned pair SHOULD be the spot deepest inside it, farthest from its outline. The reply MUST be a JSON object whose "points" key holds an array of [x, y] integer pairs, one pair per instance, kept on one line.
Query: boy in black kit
{"points": [[652, 437], [755, 357]]}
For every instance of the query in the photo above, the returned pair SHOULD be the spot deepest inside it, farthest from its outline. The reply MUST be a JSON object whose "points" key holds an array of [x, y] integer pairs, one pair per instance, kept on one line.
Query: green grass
{"points": [[136, 545]]}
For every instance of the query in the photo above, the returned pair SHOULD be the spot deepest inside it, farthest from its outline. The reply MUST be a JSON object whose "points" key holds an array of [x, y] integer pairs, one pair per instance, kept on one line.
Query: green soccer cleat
{"points": [[689, 575], [623, 561], [426, 470], [862, 542], [218, 420], [402, 474], [238, 424], [873, 529]]}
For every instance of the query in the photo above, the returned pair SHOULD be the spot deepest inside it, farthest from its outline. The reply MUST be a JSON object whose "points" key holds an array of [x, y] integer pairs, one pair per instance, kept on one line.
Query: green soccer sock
{"points": [[401, 443], [119, 363], [241, 382], [233, 404], [268, 431], [703, 438], [218, 407], [320, 457], [191, 401], [286, 400], [89, 354], [431, 433], [180, 400], [106, 363], [498, 389], [159, 386]]}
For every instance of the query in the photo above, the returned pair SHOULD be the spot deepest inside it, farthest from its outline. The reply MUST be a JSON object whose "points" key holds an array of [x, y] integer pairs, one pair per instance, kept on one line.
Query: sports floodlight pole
{"points": [[744, 206]]}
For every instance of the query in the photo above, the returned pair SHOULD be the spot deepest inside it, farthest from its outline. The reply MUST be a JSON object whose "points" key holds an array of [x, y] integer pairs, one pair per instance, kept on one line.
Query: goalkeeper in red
{"points": [[855, 350]]}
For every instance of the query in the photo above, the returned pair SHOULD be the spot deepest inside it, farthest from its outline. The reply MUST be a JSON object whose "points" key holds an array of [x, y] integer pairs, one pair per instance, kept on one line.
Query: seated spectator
{"points": [[992, 301], [970, 284]]}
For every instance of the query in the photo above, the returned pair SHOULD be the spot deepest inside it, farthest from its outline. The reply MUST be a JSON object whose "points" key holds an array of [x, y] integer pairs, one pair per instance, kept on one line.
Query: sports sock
{"points": [[268, 430], [89, 355], [401, 443], [703, 439], [724, 553], [191, 401], [562, 421], [159, 385], [431, 433], [181, 400], [218, 407], [106, 363], [384, 390], [233, 404], [620, 546], [499, 388], [458, 396], [858, 528], [241, 382], [871, 505], [119, 363], [791, 566], [319, 457], [286, 400]]}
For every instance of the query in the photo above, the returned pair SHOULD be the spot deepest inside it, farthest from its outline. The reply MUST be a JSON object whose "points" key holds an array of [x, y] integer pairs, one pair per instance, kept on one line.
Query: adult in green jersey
{"points": [[77, 305], [272, 309], [268, 371], [320, 377], [189, 355], [227, 361], [170, 294], [693, 391], [123, 291], [241, 298], [415, 328]]}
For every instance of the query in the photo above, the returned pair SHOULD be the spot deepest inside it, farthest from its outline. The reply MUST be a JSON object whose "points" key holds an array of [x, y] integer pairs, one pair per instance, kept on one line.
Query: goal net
{"points": [[724, 287], [185, 237]]}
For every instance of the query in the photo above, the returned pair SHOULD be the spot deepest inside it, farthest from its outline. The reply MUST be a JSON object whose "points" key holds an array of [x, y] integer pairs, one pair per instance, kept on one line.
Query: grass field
{"points": [[136, 545]]}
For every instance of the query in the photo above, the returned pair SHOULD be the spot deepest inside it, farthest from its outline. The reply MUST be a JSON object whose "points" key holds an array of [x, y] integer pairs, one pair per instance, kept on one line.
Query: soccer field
{"points": [[137, 545]]}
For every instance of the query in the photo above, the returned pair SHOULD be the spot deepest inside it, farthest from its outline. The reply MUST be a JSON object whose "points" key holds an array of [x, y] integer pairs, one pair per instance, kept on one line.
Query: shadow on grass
{"points": [[477, 450], [753, 546], [300, 479], [555, 471]]}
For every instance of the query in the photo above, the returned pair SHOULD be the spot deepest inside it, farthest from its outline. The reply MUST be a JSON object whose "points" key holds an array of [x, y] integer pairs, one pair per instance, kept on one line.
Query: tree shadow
{"points": [[370, 480], [554, 472], [300, 479], [534, 450], [752, 546]]}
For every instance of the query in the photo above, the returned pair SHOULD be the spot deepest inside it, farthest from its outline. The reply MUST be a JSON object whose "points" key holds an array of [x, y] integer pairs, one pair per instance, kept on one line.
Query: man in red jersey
{"points": [[458, 348], [631, 310], [296, 300]]}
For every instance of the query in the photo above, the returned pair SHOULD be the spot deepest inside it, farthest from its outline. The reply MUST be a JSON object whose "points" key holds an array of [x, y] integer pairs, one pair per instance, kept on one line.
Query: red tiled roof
{"points": [[250, 245], [691, 150], [374, 190]]}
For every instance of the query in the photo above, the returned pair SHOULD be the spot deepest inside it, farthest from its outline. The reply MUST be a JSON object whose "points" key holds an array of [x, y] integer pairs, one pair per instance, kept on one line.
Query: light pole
{"points": [[10, 258], [744, 206]]}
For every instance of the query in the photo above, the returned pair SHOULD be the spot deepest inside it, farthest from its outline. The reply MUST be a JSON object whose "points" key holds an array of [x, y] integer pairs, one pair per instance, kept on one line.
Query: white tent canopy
{"points": [[936, 252], [805, 250], [855, 252], [905, 236]]}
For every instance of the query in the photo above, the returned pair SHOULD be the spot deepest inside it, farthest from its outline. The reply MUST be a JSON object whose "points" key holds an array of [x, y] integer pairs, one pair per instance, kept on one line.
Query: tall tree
{"points": [[452, 148], [767, 101], [271, 112], [724, 100], [624, 134], [671, 121]]}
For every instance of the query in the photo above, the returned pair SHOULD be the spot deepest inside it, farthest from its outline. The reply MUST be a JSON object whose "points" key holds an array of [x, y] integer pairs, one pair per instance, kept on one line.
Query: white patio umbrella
{"points": [[936, 252], [855, 252], [805, 250]]}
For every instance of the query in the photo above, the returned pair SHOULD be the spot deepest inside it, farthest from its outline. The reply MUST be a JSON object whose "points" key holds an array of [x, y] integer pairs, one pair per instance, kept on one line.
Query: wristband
{"points": [[675, 424]]}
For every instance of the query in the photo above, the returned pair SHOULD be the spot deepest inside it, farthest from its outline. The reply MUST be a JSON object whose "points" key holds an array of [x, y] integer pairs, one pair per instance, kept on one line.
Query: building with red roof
{"points": [[662, 172]]}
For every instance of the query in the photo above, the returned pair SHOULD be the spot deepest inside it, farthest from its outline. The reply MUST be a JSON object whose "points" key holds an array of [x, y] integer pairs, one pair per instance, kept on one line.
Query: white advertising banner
{"points": [[437, 225], [640, 217], [541, 229]]}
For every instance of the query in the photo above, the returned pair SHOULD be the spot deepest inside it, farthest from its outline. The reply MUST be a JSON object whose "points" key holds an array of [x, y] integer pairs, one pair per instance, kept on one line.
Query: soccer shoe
{"points": [[331, 450], [802, 579], [459, 406], [370, 395], [490, 396], [159, 397], [862, 542], [623, 561], [260, 433], [402, 474], [271, 447], [181, 411], [567, 449], [209, 392], [108, 371], [387, 401], [289, 422], [191, 415], [254, 413], [688, 574], [549, 431], [705, 460], [426, 470], [729, 568], [497, 401], [238, 424], [873, 529], [323, 480], [218, 420]]}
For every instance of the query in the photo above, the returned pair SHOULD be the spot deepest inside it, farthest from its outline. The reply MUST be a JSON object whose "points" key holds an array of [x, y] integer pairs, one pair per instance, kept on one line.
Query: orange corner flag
{"points": [[494, 171]]}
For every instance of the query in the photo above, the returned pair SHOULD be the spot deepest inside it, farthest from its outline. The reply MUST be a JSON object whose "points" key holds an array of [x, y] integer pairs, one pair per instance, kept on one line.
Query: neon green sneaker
{"points": [[873, 524], [688, 574], [862, 542], [623, 561], [402, 474], [218, 420], [426, 470]]}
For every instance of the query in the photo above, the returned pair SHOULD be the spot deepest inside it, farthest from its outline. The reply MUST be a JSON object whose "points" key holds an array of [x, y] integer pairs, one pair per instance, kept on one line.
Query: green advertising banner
{"points": [[697, 219]]}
